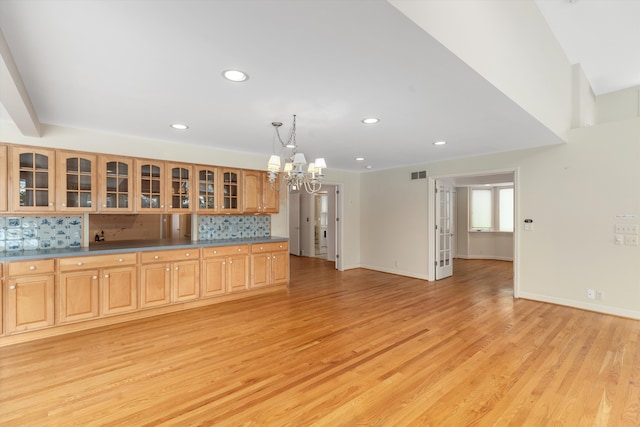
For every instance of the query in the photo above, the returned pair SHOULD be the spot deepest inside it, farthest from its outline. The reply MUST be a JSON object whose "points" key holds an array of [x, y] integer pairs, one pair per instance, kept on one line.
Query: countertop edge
{"points": [[134, 246]]}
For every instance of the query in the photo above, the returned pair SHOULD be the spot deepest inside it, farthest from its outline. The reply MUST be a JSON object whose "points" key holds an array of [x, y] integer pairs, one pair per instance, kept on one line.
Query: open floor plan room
{"points": [[350, 348]]}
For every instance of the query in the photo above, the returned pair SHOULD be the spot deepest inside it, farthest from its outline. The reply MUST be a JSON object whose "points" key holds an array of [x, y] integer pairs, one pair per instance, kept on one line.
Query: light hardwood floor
{"points": [[357, 348]]}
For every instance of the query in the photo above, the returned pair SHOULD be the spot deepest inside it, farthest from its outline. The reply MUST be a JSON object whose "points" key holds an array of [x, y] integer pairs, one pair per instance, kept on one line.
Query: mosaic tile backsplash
{"points": [[39, 232], [233, 227]]}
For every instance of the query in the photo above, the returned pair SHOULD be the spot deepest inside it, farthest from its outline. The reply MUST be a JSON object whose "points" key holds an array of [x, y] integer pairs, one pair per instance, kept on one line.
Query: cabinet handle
{"points": [[168, 269], [261, 248], [104, 206], [162, 206], [215, 252], [32, 267], [50, 204], [230, 262], [64, 205], [224, 263], [12, 287], [120, 260], [79, 263], [239, 250], [106, 276], [187, 254], [95, 277], [155, 257]]}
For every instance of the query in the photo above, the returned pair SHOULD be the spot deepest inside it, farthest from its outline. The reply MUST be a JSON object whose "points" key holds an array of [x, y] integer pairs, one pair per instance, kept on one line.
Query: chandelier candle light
{"points": [[294, 174]]}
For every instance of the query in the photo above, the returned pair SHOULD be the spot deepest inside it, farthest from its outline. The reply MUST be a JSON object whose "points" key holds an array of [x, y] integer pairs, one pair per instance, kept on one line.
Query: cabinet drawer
{"points": [[166, 256], [96, 261], [224, 251], [34, 266], [269, 247]]}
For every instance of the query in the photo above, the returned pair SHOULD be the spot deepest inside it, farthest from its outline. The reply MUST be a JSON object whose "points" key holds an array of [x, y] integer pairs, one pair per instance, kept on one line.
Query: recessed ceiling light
{"points": [[368, 166], [179, 126], [360, 159], [439, 142], [235, 75], [370, 120]]}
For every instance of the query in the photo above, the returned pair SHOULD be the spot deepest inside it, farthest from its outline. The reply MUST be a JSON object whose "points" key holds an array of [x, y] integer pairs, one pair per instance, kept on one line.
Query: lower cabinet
{"points": [[269, 264], [169, 276], [225, 269], [94, 286], [30, 294]]}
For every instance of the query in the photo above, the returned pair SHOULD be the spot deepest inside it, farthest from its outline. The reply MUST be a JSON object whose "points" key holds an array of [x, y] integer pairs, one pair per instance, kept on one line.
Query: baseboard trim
{"points": [[394, 271], [497, 258], [604, 309]]}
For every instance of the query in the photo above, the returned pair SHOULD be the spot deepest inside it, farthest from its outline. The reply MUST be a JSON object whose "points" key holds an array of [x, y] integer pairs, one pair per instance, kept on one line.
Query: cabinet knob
{"points": [[187, 254], [261, 248], [32, 267], [64, 205], [215, 252], [168, 269], [50, 204], [162, 206], [155, 257], [224, 263], [104, 206], [12, 287], [79, 263], [239, 250], [230, 262], [95, 277], [106, 276], [176, 268], [120, 260]]}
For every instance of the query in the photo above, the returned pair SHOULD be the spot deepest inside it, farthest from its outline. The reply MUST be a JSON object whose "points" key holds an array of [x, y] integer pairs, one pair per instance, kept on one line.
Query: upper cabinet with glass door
{"points": [[231, 189], [76, 183], [33, 179], [207, 192], [4, 178], [116, 187], [150, 186], [180, 179]]}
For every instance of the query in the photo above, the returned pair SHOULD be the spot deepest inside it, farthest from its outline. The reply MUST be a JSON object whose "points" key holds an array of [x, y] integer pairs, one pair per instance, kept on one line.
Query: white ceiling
{"points": [[134, 67]]}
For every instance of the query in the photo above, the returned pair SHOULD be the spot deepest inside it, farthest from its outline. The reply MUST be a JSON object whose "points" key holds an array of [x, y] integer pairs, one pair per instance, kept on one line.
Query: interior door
{"points": [[444, 230], [294, 224]]}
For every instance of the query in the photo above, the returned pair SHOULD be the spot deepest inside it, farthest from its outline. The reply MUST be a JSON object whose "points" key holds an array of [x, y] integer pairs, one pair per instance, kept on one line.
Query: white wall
{"points": [[572, 192], [510, 44], [619, 105]]}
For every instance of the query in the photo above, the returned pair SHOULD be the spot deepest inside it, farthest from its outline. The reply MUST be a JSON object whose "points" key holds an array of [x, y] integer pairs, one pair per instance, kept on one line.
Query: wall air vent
{"points": [[419, 175]]}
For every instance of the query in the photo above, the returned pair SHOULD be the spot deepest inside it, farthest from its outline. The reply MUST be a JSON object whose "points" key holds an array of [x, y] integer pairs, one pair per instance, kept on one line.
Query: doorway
{"points": [[314, 227], [449, 232]]}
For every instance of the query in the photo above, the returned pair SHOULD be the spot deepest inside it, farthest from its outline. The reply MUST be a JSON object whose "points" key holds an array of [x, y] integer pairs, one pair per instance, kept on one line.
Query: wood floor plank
{"points": [[339, 348]]}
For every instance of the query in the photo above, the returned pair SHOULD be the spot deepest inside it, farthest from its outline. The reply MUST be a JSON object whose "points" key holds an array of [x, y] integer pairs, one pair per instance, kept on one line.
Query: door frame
{"points": [[431, 221]]}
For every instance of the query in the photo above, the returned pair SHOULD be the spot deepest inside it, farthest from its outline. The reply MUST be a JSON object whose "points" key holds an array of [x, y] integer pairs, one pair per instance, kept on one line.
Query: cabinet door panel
{"points": [[78, 296], [33, 184], [116, 184], [186, 280], [280, 267], [237, 273], [76, 182], [30, 301], [252, 191], [119, 290], [155, 285], [260, 269], [3, 179], [214, 276]]}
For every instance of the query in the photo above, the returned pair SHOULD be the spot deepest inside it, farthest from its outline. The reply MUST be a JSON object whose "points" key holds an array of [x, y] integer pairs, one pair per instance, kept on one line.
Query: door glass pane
{"points": [[72, 165], [26, 161], [72, 200], [85, 166], [42, 198], [42, 161]]}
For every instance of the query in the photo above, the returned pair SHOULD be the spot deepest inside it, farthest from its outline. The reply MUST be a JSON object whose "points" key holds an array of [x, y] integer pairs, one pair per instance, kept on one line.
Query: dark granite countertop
{"points": [[130, 246]]}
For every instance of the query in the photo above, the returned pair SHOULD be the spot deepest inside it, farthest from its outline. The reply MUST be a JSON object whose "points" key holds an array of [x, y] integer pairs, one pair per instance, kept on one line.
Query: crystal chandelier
{"points": [[294, 175]]}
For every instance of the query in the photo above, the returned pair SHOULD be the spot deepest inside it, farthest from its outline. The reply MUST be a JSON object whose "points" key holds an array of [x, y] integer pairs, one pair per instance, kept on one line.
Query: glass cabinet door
{"points": [[116, 188], [230, 190], [207, 197], [179, 186], [76, 181], [34, 187], [150, 186]]}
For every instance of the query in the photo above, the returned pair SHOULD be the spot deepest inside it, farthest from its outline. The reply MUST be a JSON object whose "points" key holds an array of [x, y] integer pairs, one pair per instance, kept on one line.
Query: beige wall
{"points": [[572, 192], [618, 105]]}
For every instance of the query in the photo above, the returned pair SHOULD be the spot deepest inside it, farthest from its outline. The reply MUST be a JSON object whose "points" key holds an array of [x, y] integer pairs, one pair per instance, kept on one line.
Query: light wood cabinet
{"points": [[76, 182], [269, 264], [180, 181], [150, 186], [30, 295], [230, 189], [32, 183], [225, 269], [258, 196], [1, 299], [208, 194], [4, 178], [115, 184], [93, 286], [169, 276]]}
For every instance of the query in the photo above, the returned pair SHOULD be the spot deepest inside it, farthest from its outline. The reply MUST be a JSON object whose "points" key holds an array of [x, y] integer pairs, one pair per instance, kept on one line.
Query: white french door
{"points": [[444, 230]]}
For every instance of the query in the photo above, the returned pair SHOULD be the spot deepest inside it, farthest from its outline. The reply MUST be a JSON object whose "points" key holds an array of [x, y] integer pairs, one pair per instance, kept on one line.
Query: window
{"points": [[491, 209]]}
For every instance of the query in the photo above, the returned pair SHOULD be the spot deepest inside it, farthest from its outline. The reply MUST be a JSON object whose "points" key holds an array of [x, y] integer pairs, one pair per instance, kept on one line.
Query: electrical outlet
{"points": [[591, 293]]}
